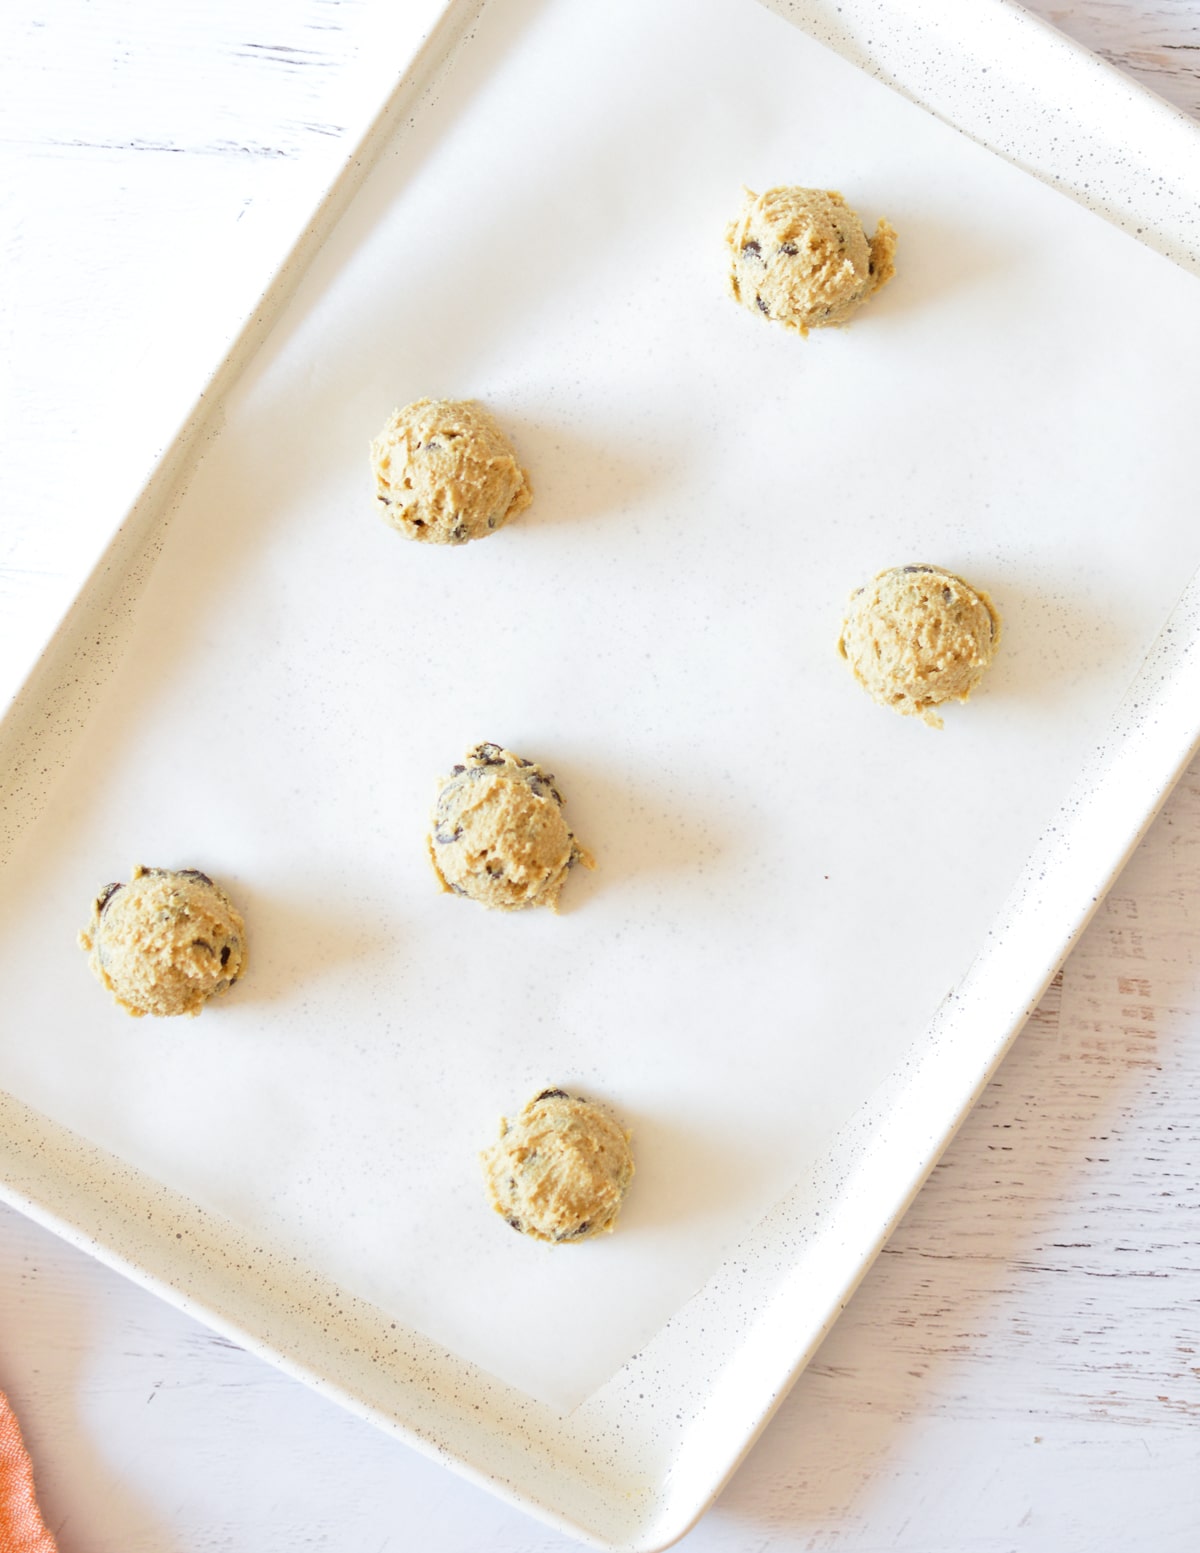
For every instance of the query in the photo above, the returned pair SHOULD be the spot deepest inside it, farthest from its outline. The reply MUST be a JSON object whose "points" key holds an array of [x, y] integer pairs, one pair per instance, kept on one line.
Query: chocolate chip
{"points": [[431, 447], [458, 533], [918, 568], [202, 943], [536, 785], [516, 1223], [551, 1094], [105, 895], [491, 523], [445, 840], [192, 873], [521, 762], [946, 594], [386, 500], [457, 770], [457, 889], [762, 306], [752, 246], [487, 755], [224, 956], [789, 248]]}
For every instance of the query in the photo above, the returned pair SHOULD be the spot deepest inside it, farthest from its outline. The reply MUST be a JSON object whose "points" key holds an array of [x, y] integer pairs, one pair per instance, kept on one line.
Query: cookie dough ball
{"points": [[801, 257], [498, 832], [561, 1170], [445, 474], [917, 636], [165, 942]]}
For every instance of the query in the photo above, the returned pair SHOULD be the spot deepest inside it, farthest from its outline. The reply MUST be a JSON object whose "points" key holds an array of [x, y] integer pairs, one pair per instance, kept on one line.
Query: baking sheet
{"points": [[658, 628]]}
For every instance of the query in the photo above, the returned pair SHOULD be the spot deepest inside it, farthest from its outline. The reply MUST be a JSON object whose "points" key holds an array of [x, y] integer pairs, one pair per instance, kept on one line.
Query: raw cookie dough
{"points": [[801, 257], [917, 636], [498, 832], [561, 1170], [165, 942], [445, 474]]}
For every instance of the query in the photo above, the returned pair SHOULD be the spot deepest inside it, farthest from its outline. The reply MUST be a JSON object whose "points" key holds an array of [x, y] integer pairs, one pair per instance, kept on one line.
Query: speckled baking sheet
{"points": [[790, 879]]}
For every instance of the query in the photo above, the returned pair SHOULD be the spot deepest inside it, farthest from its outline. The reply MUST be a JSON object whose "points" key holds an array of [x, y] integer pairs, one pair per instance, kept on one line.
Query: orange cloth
{"points": [[22, 1529]]}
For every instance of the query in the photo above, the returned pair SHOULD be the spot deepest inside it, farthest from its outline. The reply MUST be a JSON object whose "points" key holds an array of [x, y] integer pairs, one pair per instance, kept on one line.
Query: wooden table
{"points": [[1021, 1368]]}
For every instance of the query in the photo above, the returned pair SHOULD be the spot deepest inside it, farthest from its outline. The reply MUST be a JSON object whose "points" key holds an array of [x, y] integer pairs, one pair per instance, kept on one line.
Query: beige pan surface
{"points": [[790, 879]]}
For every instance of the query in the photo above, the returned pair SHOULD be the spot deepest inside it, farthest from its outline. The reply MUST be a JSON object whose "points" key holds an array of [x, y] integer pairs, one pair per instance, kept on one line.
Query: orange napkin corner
{"points": [[22, 1529]]}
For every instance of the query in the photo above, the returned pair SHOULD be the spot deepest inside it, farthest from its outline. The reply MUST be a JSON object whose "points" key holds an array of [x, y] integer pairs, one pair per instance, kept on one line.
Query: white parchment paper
{"points": [[790, 878]]}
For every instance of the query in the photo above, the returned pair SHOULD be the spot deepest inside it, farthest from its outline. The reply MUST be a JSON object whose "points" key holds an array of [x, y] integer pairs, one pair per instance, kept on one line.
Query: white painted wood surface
{"points": [[1021, 1369]]}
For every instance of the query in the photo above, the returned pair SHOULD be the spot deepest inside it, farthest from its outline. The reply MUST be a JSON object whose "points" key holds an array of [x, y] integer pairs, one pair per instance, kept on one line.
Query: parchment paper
{"points": [[790, 878]]}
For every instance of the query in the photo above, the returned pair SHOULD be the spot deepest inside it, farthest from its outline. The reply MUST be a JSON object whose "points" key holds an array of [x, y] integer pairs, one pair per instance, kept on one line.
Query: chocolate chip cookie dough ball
{"points": [[561, 1170], [499, 835], [917, 636], [801, 257], [165, 942], [445, 474]]}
